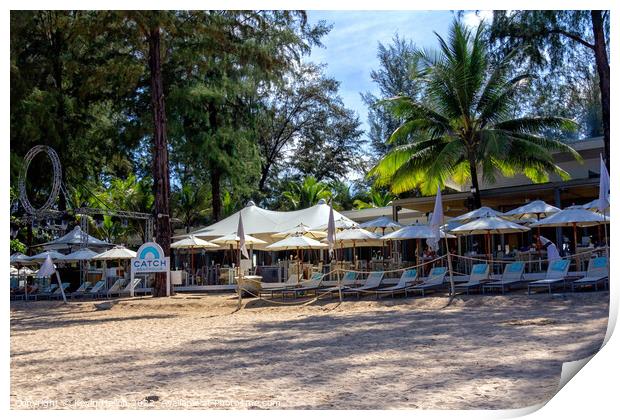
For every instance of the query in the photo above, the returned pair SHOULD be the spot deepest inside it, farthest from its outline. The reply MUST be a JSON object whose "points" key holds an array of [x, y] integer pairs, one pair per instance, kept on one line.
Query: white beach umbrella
{"points": [[382, 223], [340, 223], [298, 243], [534, 209], [119, 252], [19, 258], [54, 255], [301, 229], [234, 239], [478, 213], [192, 242], [594, 205], [488, 226], [573, 217], [415, 232], [14, 271], [84, 254], [355, 237]]}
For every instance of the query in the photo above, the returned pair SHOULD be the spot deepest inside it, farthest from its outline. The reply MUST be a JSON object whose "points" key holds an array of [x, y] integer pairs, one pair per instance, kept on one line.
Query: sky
{"points": [[350, 50]]}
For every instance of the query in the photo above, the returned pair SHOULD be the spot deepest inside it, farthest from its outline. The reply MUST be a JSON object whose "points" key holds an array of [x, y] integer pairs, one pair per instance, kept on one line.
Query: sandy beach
{"points": [[194, 351]]}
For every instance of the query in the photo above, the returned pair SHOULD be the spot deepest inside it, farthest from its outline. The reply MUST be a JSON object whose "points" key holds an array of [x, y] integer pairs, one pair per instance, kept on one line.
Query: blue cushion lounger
{"points": [[312, 285], [479, 274], [598, 271], [556, 274], [347, 281], [406, 280], [373, 281], [434, 281], [512, 276], [98, 289]]}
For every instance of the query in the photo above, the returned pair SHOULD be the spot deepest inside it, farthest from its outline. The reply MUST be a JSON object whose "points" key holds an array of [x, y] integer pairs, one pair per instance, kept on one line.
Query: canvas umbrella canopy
{"points": [[478, 213], [14, 270], [301, 229], [382, 224], [595, 205], [354, 237], [192, 242], [574, 218], [298, 243], [416, 232], [536, 208], [19, 258], [84, 254], [340, 224], [232, 239], [54, 255], [488, 226], [76, 237], [117, 253]]}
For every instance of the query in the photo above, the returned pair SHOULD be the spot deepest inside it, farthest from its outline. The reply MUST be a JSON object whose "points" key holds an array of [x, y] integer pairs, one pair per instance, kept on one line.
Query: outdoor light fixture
{"points": [[472, 189]]}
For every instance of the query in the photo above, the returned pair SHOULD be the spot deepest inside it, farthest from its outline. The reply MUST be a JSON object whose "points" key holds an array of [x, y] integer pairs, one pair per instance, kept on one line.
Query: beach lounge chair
{"points": [[57, 294], [597, 272], [406, 280], [44, 293], [97, 290], [312, 285], [434, 281], [127, 289], [479, 274], [556, 274], [347, 281], [277, 288], [373, 281], [512, 276], [81, 290], [116, 288]]}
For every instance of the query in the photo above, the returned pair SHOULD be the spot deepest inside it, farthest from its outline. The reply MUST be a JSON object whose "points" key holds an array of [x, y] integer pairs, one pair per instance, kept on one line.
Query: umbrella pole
{"points": [[298, 267], [575, 239], [417, 251]]}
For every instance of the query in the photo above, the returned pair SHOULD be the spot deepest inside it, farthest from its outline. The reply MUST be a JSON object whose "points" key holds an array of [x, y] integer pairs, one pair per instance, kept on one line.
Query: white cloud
{"points": [[473, 18]]}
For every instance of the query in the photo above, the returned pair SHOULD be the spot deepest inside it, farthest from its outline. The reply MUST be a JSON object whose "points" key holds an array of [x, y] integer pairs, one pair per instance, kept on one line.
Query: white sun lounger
{"points": [[556, 274], [81, 290], [98, 289], [373, 281], [479, 273], [312, 285], [405, 281], [116, 288], [347, 282], [513, 275], [597, 272], [434, 281]]}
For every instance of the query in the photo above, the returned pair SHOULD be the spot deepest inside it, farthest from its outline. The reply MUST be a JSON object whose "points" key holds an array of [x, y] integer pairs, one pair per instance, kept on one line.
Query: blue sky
{"points": [[351, 47]]}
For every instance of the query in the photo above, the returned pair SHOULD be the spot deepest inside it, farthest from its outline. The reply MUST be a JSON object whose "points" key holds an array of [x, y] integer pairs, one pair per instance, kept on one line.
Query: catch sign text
{"points": [[150, 259]]}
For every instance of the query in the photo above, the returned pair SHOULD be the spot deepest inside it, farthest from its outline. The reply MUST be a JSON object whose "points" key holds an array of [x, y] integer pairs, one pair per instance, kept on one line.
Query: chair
{"points": [[312, 285], [127, 289], [479, 273], [434, 281], [405, 281], [556, 274], [97, 290], [115, 289], [348, 281], [57, 294], [45, 292], [373, 281], [81, 290], [292, 281], [597, 272], [512, 276]]}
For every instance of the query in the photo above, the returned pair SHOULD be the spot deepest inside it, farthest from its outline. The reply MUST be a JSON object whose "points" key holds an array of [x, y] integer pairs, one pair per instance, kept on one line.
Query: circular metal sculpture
{"points": [[56, 179]]}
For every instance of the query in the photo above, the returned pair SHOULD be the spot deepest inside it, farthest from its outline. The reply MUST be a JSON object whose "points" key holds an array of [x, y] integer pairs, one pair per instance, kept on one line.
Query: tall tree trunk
{"points": [[474, 180], [161, 179], [602, 65], [216, 198]]}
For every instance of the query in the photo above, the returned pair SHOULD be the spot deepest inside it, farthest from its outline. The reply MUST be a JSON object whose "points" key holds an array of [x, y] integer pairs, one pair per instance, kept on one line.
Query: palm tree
{"points": [[375, 199], [464, 123], [190, 204], [307, 193]]}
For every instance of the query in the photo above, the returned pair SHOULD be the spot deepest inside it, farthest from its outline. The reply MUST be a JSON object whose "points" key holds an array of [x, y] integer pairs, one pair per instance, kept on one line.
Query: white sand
{"points": [[190, 351]]}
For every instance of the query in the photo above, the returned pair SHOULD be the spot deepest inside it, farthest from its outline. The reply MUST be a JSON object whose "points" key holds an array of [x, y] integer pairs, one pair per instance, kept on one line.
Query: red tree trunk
{"points": [[161, 178]]}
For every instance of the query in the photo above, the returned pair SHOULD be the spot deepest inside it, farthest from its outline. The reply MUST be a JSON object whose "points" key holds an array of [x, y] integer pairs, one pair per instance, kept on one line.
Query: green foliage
{"points": [[307, 193], [17, 246], [375, 198], [466, 122]]}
